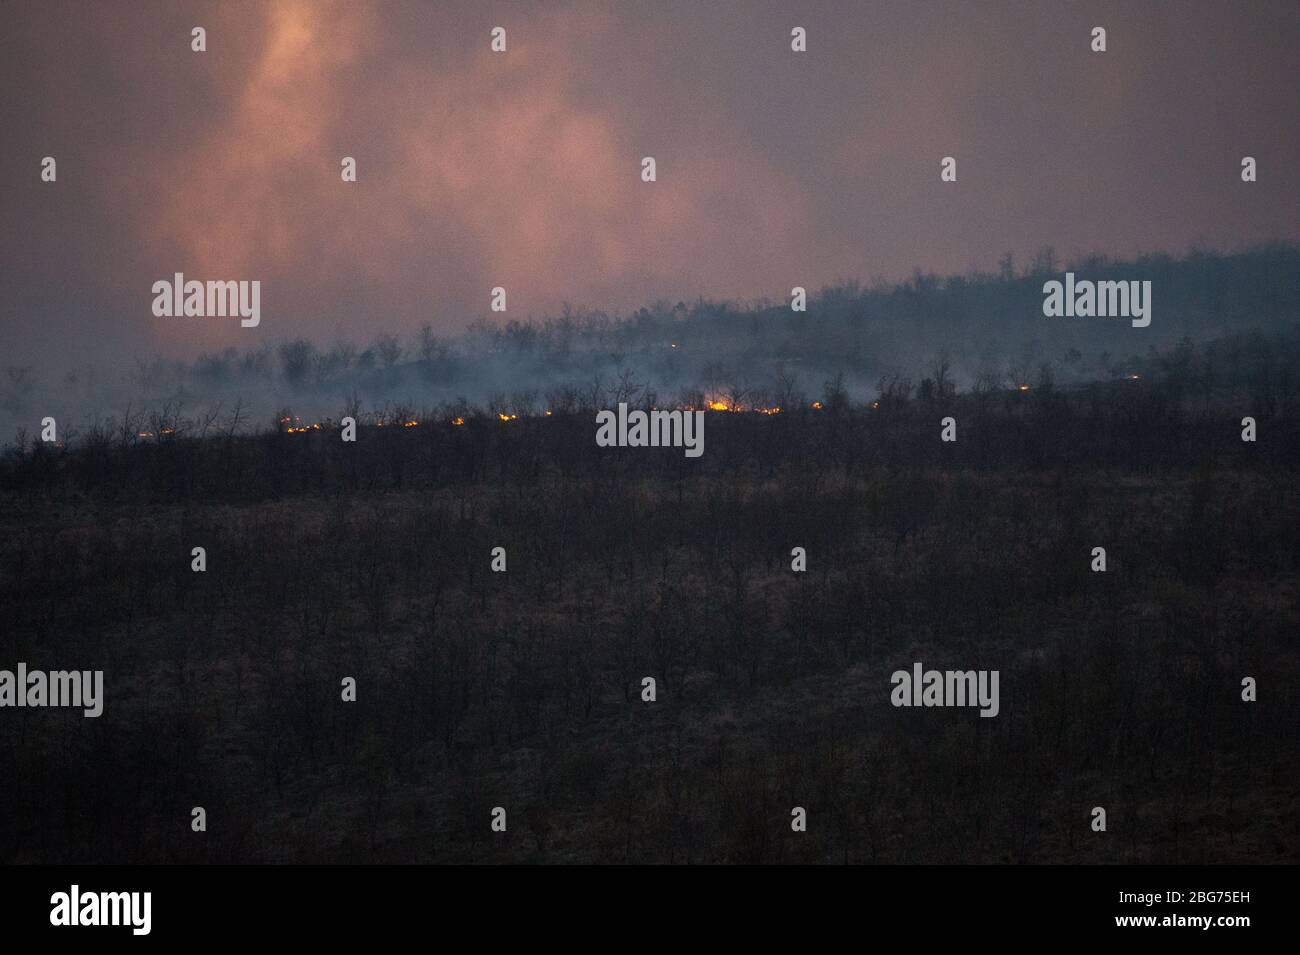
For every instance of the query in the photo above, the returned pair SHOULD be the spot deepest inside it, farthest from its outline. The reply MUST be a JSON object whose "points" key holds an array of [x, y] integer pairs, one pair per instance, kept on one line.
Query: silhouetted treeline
{"points": [[987, 327]]}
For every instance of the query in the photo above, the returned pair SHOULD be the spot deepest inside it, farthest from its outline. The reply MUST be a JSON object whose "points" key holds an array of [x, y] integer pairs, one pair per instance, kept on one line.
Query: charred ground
{"points": [[521, 689]]}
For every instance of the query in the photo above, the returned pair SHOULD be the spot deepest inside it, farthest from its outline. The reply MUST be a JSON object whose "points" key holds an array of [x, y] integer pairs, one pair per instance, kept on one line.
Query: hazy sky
{"points": [[522, 169]]}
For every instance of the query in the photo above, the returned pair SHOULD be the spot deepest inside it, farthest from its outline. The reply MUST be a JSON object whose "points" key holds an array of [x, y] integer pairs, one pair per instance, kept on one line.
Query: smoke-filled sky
{"points": [[522, 169]]}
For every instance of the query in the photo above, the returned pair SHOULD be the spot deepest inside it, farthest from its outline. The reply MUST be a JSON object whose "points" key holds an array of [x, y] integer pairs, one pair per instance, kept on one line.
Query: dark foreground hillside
{"points": [[522, 689]]}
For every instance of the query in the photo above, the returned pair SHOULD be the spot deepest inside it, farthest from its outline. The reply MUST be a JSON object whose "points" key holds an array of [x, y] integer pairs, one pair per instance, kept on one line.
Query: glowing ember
{"points": [[717, 406], [295, 425], [817, 406], [1134, 377], [411, 424], [875, 405], [1024, 387], [458, 421], [507, 417]]}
